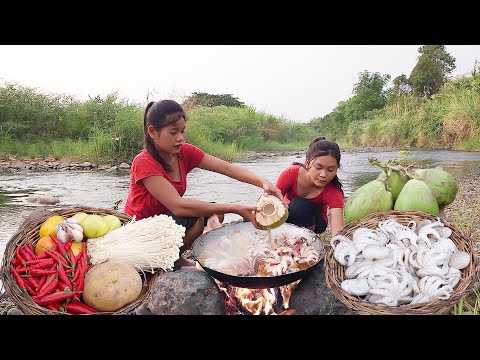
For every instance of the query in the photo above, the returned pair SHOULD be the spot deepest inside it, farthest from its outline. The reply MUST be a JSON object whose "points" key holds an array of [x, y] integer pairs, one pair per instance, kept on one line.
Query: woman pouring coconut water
{"points": [[312, 188], [159, 172]]}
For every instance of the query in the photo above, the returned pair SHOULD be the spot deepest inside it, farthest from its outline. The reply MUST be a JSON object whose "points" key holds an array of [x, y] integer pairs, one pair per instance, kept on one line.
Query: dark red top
{"points": [[331, 197], [140, 202]]}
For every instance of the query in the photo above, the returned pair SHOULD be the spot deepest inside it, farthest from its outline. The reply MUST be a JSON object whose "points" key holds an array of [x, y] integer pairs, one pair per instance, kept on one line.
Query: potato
{"points": [[111, 285]]}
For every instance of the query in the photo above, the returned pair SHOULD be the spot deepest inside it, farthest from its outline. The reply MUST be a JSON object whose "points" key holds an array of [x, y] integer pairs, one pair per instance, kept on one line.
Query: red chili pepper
{"points": [[55, 297], [67, 245], [36, 261], [20, 281], [79, 308], [62, 275], [18, 254], [73, 261], [31, 289], [43, 279], [80, 283], [78, 270], [58, 257], [49, 279], [16, 261], [274, 263], [60, 246], [62, 286], [41, 272], [43, 265], [50, 288], [24, 250], [88, 268], [21, 269], [43, 255], [29, 249], [32, 280]]}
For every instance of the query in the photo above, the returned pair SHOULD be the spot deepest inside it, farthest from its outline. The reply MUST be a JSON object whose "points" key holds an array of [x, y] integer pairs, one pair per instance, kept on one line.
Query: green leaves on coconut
{"points": [[394, 174]]}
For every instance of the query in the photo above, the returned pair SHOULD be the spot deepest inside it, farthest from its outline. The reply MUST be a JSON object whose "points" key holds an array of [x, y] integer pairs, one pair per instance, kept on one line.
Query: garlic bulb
{"points": [[69, 229]]}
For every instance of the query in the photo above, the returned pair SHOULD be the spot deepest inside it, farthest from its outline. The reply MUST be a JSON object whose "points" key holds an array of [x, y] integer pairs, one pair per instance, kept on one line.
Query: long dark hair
{"points": [[160, 114], [320, 146]]}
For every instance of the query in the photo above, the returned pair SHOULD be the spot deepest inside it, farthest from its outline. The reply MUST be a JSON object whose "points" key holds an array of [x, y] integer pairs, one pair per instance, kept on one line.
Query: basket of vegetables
{"points": [[78, 260], [401, 262]]}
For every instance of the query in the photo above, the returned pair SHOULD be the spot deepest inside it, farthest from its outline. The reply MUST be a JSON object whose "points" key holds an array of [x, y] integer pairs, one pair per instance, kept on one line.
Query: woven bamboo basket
{"points": [[29, 234], [335, 272]]}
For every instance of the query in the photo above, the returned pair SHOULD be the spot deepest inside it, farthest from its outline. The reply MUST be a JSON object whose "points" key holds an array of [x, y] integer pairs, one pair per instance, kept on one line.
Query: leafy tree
{"points": [[432, 70], [197, 100], [401, 86]]}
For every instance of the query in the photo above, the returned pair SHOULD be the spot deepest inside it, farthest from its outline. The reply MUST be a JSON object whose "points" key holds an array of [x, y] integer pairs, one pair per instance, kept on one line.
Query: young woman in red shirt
{"points": [[158, 176], [310, 189]]}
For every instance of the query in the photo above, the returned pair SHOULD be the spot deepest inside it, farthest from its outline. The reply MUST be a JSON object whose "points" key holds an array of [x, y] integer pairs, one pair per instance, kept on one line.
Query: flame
{"points": [[260, 301]]}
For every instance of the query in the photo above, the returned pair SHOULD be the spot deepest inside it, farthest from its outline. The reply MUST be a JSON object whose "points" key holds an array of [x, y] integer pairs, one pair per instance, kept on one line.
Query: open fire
{"points": [[243, 301]]}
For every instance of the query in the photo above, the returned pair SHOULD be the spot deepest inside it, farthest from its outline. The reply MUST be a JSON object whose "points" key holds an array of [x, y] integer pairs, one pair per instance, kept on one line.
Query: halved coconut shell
{"points": [[273, 212]]}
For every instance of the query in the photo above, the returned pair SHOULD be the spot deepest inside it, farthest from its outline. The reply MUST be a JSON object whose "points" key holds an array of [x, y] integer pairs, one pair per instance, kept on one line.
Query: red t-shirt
{"points": [[331, 197], [140, 202]]}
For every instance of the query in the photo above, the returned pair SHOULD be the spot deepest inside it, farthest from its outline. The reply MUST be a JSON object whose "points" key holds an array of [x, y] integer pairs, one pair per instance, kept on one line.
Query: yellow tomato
{"points": [[76, 247]]}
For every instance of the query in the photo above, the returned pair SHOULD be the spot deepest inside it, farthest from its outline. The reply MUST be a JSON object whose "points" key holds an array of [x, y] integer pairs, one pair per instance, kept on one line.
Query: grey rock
{"points": [[186, 291], [14, 311], [312, 296], [46, 199]]}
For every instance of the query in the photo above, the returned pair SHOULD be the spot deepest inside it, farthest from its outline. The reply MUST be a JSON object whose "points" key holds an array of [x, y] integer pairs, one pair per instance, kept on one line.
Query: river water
{"points": [[101, 189]]}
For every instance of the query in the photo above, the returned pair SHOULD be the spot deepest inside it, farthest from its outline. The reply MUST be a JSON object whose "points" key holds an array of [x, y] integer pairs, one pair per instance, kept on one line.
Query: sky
{"points": [[296, 82]]}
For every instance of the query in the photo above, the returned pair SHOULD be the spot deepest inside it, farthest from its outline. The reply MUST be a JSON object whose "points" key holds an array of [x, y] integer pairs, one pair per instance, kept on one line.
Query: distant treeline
{"points": [[425, 110], [110, 130]]}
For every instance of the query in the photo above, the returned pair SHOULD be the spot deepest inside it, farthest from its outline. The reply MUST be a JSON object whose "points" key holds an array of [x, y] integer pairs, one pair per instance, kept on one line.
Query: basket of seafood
{"points": [[401, 262]]}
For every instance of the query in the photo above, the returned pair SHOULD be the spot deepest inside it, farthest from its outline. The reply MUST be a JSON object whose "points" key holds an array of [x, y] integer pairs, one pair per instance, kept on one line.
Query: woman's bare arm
{"points": [[336, 220], [163, 191], [239, 173]]}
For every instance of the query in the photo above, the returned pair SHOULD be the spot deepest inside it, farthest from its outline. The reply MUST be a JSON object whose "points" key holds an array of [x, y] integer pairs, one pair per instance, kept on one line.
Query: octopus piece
{"points": [[406, 237], [375, 252], [445, 245], [452, 277], [357, 287], [429, 230], [308, 255], [369, 268], [430, 288], [345, 253], [363, 237], [393, 292]]}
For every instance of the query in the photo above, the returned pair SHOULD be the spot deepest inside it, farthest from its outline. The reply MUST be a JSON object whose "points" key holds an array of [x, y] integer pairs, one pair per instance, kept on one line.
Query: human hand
{"points": [[270, 189], [248, 214]]}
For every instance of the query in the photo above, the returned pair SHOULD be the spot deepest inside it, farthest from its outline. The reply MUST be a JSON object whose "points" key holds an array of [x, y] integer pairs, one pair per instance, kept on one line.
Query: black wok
{"points": [[256, 282]]}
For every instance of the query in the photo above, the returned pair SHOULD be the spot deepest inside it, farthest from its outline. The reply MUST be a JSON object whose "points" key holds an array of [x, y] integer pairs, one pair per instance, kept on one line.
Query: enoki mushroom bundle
{"points": [[147, 244]]}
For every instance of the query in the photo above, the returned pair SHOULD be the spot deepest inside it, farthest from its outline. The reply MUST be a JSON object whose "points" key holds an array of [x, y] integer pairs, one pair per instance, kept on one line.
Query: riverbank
{"points": [[14, 163]]}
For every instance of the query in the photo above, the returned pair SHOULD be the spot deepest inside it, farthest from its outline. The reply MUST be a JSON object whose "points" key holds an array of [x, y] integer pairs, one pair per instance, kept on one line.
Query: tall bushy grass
{"points": [[451, 119], [110, 130]]}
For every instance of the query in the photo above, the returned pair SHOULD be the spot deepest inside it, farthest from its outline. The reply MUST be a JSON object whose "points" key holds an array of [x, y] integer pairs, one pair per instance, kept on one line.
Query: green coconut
{"points": [[441, 183], [369, 198], [395, 181], [416, 195]]}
